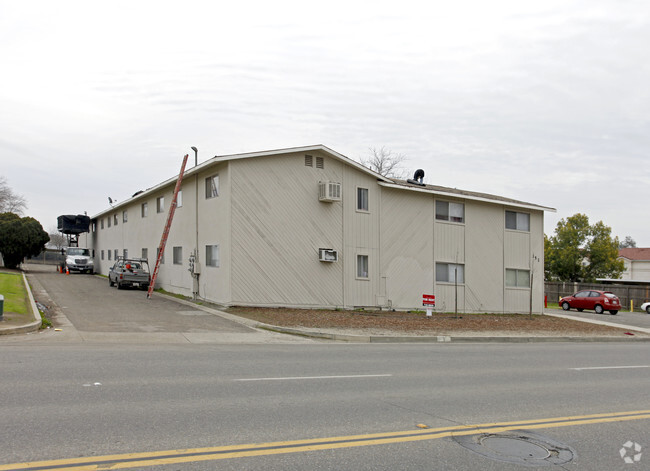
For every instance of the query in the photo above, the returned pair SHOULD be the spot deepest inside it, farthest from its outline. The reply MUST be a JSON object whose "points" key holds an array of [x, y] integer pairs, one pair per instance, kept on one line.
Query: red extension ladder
{"points": [[168, 225]]}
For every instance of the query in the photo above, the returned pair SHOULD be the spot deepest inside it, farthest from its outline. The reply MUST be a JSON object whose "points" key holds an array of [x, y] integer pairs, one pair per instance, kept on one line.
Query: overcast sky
{"points": [[544, 101]]}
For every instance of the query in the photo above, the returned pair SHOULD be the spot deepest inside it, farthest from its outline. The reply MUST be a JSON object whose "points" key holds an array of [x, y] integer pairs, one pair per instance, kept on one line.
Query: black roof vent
{"points": [[418, 176]]}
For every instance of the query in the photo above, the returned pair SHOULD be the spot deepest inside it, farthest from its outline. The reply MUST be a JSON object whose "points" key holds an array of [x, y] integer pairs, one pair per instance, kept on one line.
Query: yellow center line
{"points": [[156, 458]]}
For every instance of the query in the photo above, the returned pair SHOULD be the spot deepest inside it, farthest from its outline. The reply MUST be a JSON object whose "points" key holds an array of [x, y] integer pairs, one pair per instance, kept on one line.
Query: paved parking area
{"points": [[633, 319], [87, 307]]}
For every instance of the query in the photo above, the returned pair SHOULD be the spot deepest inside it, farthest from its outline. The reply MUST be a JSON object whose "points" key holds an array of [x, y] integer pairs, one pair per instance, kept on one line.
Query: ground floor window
{"points": [[517, 278], [102, 254], [145, 253], [178, 256], [450, 272], [212, 255], [125, 253], [362, 266], [115, 253]]}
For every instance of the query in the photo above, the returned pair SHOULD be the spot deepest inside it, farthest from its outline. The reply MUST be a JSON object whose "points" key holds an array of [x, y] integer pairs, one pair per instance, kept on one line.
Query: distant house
{"points": [[308, 227], [637, 263]]}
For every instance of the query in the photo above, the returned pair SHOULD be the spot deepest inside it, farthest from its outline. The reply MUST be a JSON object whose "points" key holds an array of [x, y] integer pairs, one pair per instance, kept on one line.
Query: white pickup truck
{"points": [[78, 259]]}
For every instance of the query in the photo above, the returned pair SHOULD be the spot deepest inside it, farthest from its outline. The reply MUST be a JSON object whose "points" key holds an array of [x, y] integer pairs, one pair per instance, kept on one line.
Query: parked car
{"points": [[592, 299], [130, 272], [645, 307]]}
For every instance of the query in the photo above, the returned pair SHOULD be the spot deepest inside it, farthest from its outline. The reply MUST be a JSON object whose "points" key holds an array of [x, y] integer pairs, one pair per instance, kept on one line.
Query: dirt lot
{"points": [[387, 323]]}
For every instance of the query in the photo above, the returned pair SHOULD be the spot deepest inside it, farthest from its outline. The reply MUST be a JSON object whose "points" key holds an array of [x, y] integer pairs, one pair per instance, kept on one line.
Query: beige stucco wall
{"points": [[269, 225], [145, 232], [278, 225]]}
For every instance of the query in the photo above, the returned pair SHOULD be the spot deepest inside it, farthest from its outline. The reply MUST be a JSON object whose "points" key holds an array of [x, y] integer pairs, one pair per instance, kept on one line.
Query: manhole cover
{"points": [[518, 446]]}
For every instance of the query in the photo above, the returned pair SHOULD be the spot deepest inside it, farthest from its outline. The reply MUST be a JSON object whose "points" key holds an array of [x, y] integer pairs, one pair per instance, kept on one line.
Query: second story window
{"points": [[362, 199], [449, 211], [160, 204], [518, 221], [212, 187]]}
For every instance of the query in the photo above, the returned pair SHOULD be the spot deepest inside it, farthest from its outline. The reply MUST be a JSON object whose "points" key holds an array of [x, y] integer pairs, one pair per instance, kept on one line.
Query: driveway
{"points": [[85, 305], [631, 319]]}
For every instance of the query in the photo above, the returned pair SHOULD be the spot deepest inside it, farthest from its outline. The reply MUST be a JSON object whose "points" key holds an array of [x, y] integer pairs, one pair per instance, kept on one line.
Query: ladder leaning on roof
{"points": [[163, 240]]}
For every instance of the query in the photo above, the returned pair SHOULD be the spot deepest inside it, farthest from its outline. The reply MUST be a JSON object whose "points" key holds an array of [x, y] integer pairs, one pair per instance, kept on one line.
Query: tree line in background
{"points": [[20, 237], [579, 251]]}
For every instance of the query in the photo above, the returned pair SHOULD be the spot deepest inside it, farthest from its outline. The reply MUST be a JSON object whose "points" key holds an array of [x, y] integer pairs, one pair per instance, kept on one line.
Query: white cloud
{"points": [[545, 102]]}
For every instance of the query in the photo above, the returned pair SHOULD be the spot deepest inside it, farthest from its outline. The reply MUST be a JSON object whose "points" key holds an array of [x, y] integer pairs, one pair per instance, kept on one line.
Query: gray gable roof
{"points": [[381, 180]]}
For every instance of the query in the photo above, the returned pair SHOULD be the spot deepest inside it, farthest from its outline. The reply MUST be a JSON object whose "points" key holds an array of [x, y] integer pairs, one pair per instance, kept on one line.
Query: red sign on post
{"points": [[428, 300]]}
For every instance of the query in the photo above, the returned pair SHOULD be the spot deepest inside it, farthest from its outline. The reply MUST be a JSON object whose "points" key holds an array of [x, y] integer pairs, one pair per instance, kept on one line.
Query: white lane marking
{"points": [[313, 377], [609, 367]]}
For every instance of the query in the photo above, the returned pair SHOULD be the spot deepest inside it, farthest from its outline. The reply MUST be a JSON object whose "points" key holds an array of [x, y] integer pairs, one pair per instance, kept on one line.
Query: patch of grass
{"points": [[14, 292], [179, 296], [45, 322]]}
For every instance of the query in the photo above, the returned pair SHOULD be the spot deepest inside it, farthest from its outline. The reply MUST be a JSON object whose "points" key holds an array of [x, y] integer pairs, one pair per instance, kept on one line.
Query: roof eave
{"points": [[517, 204]]}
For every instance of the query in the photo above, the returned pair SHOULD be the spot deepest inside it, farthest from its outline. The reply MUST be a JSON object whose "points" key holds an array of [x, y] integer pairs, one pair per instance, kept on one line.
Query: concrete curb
{"points": [[440, 338], [32, 326]]}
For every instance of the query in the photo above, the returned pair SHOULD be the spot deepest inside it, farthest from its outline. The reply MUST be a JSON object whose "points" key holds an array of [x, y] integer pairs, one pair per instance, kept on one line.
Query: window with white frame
{"points": [[160, 204], [144, 210], [109, 254], [115, 219], [212, 255], [125, 216], [145, 253], [516, 278], [362, 266], [179, 199], [162, 258], [125, 253], [518, 221], [362, 199], [450, 272], [450, 211], [115, 253], [212, 187], [177, 256]]}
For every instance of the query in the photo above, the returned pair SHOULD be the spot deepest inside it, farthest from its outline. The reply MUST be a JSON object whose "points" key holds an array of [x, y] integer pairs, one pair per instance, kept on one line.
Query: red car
{"points": [[592, 299]]}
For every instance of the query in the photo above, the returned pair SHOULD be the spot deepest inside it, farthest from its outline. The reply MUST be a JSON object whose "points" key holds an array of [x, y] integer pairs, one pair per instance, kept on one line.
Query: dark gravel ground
{"points": [[419, 324]]}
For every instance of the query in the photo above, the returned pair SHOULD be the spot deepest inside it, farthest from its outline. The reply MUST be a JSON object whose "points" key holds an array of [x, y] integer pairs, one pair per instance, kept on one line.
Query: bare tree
{"points": [[385, 162], [11, 202], [57, 240]]}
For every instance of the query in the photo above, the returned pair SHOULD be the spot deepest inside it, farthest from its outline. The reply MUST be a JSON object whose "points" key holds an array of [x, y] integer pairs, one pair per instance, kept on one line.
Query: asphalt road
{"points": [[87, 400]]}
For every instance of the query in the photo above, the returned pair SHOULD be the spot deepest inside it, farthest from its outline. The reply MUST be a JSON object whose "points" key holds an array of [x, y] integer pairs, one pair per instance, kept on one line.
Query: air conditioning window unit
{"points": [[329, 191], [328, 255]]}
